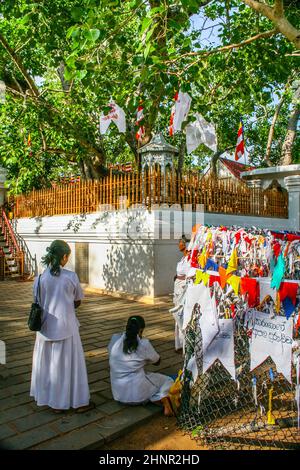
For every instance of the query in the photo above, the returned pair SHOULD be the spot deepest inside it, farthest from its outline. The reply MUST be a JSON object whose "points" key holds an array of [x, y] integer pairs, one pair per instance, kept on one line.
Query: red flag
{"points": [[171, 126], [139, 117], [240, 148]]}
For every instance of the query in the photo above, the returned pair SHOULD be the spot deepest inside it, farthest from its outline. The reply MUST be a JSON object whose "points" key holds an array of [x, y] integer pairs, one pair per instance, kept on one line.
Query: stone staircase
{"points": [[11, 255]]}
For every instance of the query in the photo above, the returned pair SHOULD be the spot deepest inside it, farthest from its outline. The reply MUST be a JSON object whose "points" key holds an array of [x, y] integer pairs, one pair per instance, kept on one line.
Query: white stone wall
{"points": [[129, 251]]}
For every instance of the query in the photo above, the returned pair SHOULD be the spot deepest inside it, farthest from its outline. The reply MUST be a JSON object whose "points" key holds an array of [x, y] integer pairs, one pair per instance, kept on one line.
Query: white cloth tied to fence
{"points": [[200, 132], [272, 337], [221, 347]]}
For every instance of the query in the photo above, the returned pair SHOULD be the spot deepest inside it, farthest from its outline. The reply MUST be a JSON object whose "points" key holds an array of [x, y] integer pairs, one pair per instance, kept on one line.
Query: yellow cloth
{"points": [[277, 303], [233, 262], [203, 258], [234, 281], [205, 278], [198, 278]]}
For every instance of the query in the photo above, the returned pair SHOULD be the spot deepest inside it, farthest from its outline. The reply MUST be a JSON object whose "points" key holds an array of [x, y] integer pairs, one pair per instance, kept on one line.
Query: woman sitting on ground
{"points": [[129, 352]]}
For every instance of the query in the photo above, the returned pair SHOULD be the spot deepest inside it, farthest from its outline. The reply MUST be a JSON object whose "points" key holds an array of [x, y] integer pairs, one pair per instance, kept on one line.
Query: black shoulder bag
{"points": [[36, 312]]}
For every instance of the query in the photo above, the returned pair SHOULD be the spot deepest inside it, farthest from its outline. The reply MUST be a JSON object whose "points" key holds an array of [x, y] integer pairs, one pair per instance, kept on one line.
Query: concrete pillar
{"points": [[292, 184]]}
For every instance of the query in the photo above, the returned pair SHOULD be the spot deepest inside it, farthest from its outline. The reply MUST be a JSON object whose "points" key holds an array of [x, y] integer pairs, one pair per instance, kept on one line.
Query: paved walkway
{"points": [[23, 425]]}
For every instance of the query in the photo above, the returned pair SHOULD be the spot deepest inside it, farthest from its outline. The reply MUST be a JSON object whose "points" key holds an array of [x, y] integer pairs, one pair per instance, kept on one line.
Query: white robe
{"points": [[129, 381], [182, 269], [59, 375]]}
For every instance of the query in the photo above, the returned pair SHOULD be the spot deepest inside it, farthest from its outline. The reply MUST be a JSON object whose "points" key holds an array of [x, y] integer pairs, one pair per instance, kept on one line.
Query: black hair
{"points": [[134, 325], [55, 253], [184, 239]]}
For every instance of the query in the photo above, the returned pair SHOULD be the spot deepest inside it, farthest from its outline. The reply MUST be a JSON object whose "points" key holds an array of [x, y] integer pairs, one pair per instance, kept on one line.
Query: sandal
{"points": [[84, 409], [57, 412]]}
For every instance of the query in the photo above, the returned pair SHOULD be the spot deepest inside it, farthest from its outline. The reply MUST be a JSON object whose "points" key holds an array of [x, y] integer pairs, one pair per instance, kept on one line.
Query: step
{"points": [[11, 262], [13, 269]]}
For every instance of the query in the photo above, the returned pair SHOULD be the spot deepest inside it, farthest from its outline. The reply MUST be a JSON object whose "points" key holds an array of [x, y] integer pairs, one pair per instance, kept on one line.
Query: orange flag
{"points": [[223, 276]]}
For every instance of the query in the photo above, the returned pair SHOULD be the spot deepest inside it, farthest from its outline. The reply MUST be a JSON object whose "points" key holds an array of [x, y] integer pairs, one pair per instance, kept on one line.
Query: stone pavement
{"points": [[23, 425]]}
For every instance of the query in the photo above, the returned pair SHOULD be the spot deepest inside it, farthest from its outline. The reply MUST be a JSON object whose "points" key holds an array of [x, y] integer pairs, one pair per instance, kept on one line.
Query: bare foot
{"points": [[168, 411]]}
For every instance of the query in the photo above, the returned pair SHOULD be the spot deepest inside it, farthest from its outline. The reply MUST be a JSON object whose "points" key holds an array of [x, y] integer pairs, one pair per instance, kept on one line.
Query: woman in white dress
{"points": [[182, 270], [129, 352], [59, 376]]}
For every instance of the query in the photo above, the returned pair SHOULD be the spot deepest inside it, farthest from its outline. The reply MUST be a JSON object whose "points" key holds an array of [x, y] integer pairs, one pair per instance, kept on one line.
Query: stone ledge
{"points": [[162, 300]]}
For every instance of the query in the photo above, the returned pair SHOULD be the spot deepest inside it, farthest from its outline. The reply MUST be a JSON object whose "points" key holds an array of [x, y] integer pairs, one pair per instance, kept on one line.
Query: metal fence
{"points": [[256, 412]]}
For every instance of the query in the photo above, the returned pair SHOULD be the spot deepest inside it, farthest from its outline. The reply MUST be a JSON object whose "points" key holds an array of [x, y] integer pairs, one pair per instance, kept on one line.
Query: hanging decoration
{"points": [[200, 132], [179, 111], [139, 118], [116, 115]]}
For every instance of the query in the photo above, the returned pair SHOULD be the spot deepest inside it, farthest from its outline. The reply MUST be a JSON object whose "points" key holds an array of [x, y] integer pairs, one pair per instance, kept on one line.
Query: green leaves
{"points": [[92, 35]]}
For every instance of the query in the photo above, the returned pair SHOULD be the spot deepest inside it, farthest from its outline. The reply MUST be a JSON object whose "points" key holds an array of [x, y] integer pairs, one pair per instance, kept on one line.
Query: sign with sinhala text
{"points": [[272, 337]]}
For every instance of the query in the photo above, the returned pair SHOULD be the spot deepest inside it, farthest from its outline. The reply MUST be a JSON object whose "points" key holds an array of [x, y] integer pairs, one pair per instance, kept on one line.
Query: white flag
{"points": [[192, 297], [209, 322], [222, 348], [272, 337], [116, 115], [200, 132], [179, 111]]}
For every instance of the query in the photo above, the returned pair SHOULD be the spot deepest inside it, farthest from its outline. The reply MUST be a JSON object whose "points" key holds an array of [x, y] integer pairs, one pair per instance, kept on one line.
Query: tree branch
{"points": [[20, 66], [276, 15], [202, 54]]}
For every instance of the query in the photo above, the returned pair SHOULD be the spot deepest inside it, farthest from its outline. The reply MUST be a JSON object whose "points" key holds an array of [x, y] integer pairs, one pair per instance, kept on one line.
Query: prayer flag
{"points": [[200, 132], [139, 117], [240, 148], [179, 111], [116, 115]]}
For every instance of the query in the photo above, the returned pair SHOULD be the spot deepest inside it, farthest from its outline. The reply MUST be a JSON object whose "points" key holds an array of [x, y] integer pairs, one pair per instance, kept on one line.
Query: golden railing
{"points": [[125, 190]]}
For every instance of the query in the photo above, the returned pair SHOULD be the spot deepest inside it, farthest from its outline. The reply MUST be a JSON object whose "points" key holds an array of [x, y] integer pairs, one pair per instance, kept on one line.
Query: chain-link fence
{"points": [[257, 411]]}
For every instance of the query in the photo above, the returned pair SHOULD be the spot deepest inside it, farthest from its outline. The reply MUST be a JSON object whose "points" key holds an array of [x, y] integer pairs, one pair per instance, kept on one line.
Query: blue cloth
{"points": [[288, 307], [278, 272], [210, 264]]}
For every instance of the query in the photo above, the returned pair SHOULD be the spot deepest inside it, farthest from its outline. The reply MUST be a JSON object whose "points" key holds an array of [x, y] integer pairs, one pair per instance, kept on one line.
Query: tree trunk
{"points": [[287, 147], [272, 128], [181, 155]]}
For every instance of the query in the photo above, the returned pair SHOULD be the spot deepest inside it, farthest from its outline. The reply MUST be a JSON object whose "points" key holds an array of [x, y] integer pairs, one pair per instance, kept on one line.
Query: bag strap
{"points": [[38, 292]]}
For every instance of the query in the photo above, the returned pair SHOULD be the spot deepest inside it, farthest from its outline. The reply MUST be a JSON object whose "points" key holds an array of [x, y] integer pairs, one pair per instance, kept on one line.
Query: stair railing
{"points": [[11, 241]]}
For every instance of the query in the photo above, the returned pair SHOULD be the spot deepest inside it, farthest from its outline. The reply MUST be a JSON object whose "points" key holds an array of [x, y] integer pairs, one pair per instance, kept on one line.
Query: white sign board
{"points": [[272, 337]]}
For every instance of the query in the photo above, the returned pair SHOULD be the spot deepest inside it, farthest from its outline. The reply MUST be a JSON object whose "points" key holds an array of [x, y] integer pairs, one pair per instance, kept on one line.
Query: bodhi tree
{"points": [[63, 60]]}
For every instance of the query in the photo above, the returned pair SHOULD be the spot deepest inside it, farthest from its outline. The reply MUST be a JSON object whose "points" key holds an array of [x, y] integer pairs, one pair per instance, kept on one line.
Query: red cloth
{"points": [[213, 278], [288, 289], [237, 237], [194, 259], [232, 306], [251, 287], [276, 249], [290, 237]]}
